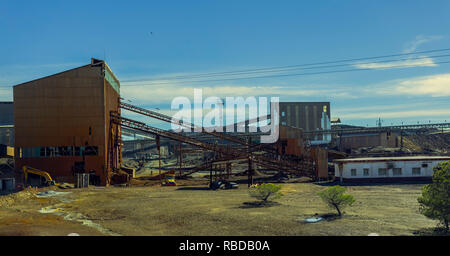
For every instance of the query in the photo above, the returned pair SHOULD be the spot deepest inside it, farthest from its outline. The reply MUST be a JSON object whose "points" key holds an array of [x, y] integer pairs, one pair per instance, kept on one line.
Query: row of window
{"points": [[385, 171], [58, 151]]}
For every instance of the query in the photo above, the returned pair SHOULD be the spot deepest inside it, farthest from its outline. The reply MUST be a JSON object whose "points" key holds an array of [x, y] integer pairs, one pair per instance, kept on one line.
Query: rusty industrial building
{"points": [[62, 122], [386, 139], [308, 116]]}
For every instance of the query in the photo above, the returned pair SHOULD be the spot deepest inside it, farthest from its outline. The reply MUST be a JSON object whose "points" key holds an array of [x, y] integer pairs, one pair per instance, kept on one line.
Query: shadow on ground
{"points": [[438, 231], [194, 188], [256, 204]]}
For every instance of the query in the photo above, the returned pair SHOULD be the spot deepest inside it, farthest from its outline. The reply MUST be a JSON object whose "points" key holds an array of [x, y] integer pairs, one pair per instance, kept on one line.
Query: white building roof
{"points": [[389, 159]]}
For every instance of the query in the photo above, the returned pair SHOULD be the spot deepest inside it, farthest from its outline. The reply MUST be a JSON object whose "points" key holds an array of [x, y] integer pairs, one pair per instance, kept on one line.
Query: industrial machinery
{"points": [[45, 176], [170, 180], [223, 184], [6, 151]]}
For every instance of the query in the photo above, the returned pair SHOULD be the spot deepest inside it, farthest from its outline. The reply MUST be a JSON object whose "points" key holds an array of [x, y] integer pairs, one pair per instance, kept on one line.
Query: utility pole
{"points": [[250, 169], [401, 139], [158, 146], [181, 158]]}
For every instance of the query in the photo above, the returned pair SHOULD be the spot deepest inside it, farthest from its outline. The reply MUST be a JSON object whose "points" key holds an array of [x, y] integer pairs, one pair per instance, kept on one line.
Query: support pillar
{"points": [[228, 168], [210, 174], [181, 158]]}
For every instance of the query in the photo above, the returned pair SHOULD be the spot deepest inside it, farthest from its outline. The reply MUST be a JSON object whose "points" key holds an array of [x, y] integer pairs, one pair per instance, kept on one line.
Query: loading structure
{"points": [[265, 155]]}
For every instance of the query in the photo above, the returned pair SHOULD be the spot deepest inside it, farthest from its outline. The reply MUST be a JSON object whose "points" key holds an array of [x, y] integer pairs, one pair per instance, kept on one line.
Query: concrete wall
{"points": [[406, 168], [384, 139]]}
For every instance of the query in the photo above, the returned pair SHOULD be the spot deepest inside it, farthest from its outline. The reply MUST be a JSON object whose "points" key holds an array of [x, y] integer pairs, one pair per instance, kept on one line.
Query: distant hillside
{"points": [[439, 142]]}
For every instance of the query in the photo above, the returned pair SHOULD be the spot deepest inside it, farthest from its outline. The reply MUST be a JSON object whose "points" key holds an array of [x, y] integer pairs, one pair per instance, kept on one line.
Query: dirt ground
{"points": [[192, 209]]}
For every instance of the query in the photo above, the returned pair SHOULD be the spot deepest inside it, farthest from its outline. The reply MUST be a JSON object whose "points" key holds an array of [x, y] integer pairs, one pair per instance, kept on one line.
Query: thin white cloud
{"points": [[395, 114], [165, 93], [419, 40], [381, 106], [424, 62], [409, 47], [6, 94], [434, 86]]}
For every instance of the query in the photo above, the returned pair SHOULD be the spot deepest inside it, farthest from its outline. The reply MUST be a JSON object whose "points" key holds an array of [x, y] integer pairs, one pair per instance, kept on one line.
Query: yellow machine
{"points": [[48, 179], [170, 179]]}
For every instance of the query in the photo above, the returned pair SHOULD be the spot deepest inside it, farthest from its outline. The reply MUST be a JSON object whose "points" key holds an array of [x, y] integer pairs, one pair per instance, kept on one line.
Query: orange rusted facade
{"points": [[62, 123], [291, 142]]}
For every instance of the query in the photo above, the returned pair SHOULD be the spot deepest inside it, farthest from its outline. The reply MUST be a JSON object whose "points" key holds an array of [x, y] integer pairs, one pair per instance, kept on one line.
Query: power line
{"points": [[308, 66], [287, 75], [305, 68], [281, 68]]}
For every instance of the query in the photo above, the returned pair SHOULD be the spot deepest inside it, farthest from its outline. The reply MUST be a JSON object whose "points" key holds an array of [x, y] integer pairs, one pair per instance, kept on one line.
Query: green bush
{"points": [[335, 198], [265, 192], [435, 199]]}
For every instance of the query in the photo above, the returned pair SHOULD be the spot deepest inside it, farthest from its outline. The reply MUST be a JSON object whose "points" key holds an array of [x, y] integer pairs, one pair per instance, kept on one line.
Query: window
{"points": [[366, 171], [49, 151], [397, 171], [283, 113], [65, 151], [91, 151], [61, 151], [31, 152], [382, 172], [416, 171], [353, 172], [77, 151], [42, 152]]}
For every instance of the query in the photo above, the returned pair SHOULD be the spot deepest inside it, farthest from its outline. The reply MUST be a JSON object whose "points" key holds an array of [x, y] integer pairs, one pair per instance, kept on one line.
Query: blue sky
{"points": [[143, 40]]}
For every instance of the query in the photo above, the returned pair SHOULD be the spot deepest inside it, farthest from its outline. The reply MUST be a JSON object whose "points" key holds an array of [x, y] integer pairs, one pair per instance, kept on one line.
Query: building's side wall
{"points": [[111, 99], [309, 116], [305, 115], [65, 109], [353, 141], [373, 167], [320, 156]]}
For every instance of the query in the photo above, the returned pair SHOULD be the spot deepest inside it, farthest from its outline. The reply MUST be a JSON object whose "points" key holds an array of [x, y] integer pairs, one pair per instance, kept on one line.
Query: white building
{"points": [[386, 169]]}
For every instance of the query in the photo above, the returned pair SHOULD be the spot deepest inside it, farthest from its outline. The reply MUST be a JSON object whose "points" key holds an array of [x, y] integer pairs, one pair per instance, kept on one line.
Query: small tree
{"points": [[435, 199], [334, 196], [265, 192]]}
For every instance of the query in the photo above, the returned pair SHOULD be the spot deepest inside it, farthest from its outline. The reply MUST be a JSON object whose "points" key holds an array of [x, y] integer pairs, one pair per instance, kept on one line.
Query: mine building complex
{"points": [[70, 123]]}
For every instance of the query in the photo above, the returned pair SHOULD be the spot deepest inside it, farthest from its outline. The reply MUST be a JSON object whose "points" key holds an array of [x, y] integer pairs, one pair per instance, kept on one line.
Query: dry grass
{"points": [[195, 210]]}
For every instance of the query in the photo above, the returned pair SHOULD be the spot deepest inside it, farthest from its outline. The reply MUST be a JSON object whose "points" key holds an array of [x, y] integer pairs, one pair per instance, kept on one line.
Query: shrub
{"points": [[435, 199], [265, 192], [335, 198]]}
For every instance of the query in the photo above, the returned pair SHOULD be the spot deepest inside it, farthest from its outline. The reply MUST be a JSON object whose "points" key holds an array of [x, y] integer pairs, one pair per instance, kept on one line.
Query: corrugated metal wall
{"points": [[309, 116], [67, 109]]}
